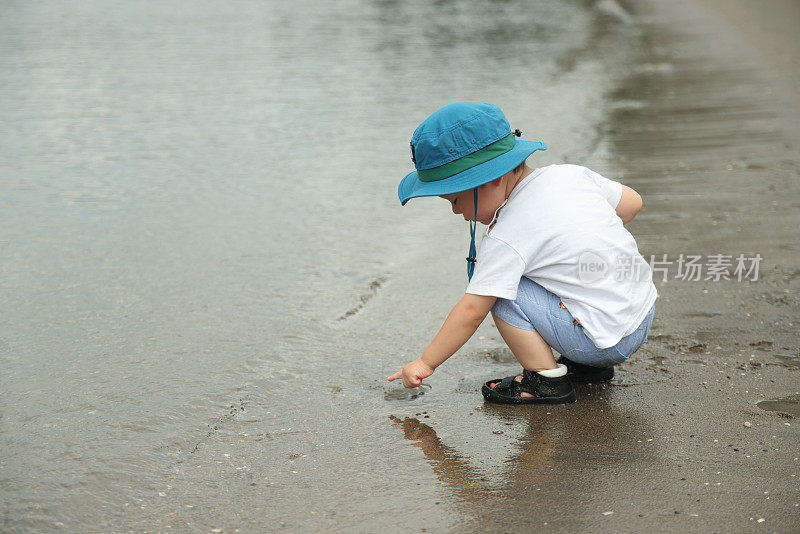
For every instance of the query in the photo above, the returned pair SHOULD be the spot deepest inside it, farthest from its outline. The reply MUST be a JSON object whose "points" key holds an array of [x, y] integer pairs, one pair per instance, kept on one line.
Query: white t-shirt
{"points": [[559, 228]]}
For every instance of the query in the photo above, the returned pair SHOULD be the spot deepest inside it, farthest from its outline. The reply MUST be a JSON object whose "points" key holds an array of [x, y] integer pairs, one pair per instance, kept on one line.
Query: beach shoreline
{"points": [[697, 432]]}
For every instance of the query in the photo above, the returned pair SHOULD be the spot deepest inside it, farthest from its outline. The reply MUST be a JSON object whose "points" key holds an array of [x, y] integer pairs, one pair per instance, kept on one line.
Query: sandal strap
{"points": [[531, 378], [509, 386], [505, 384]]}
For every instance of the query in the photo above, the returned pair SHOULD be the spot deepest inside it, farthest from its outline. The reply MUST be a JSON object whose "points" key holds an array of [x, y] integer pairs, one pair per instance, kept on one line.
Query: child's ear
{"points": [[494, 183]]}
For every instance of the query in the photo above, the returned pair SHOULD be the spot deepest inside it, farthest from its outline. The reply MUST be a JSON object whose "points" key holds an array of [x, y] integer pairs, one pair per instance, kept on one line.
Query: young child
{"points": [[556, 268]]}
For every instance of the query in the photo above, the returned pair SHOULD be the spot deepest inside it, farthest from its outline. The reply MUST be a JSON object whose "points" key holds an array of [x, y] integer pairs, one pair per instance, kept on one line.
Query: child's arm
{"points": [[459, 326], [629, 205]]}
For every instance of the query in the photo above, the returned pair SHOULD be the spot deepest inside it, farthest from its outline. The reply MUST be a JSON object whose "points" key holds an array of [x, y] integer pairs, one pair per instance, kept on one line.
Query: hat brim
{"points": [[412, 187]]}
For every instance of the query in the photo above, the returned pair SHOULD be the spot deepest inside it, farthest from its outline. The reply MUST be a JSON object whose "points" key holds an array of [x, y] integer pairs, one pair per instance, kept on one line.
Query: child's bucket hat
{"points": [[462, 146], [459, 147]]}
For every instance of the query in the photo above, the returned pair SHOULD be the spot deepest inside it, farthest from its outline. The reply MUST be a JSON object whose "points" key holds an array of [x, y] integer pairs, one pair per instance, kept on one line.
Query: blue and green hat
{"points": [[462, 146], [459, 147]]}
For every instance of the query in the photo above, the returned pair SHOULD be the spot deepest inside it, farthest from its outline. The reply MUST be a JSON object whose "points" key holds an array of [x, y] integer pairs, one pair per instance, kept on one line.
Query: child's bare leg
{"points": [[528, 347], [532, 352]]}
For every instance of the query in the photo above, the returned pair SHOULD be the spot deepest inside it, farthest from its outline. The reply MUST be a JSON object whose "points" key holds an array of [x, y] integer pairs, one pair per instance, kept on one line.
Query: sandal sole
{"points": [[490, 395]]}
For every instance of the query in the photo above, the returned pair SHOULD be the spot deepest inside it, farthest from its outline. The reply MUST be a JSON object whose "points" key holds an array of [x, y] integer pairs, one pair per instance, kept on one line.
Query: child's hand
{"points": [[413, 373]]}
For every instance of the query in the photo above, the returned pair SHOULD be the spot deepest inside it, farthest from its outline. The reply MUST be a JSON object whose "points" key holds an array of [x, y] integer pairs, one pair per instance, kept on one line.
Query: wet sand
{"points": [[698, 431]]}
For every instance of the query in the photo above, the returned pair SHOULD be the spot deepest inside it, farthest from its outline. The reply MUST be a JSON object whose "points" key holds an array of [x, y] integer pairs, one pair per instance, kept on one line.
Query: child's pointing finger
{"points": [[395, 376]]}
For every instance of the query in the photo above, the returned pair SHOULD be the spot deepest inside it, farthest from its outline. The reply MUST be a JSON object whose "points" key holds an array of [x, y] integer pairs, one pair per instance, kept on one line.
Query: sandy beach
{"points": [[206, 276], [698, 431]]}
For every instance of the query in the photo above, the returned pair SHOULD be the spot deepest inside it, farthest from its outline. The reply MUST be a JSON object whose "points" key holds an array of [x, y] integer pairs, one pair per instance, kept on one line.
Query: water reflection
{"points": [[587, 445]]}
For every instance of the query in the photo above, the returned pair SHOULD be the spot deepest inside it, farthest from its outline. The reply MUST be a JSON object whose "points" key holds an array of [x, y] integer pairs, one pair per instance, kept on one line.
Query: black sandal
{"points": [[579, 372], [545, 390]]}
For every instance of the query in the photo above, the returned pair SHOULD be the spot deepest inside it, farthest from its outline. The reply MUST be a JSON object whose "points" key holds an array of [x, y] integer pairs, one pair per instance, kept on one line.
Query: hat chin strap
{"points": [[471, 259]]}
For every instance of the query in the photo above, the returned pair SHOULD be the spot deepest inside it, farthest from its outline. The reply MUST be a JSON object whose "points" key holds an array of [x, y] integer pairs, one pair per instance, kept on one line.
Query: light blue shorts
{"points": [[538, 310]]}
